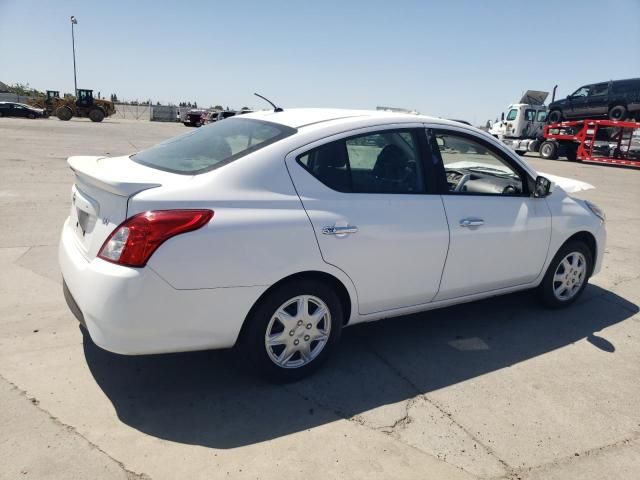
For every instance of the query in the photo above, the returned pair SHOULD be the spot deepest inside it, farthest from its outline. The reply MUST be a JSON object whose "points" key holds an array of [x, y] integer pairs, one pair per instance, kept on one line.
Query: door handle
{"points": [[339, 231], [471, 222]]}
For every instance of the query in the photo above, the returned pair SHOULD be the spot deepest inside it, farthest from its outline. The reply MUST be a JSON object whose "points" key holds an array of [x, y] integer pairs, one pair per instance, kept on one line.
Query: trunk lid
{"points": [[101, 192]]}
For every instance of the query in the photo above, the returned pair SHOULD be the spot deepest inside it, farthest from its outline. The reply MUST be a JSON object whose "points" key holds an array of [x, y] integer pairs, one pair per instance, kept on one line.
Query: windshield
{"points": [[513, 113], [212, 146]]}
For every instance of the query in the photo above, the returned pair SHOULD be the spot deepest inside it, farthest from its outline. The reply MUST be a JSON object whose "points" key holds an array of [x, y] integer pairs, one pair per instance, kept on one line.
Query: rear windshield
{"points": [[212, 146]]}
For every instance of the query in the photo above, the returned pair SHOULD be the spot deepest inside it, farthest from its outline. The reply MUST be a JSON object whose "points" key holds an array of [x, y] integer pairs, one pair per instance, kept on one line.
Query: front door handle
{"points": [[471, 222], [339, 231]]}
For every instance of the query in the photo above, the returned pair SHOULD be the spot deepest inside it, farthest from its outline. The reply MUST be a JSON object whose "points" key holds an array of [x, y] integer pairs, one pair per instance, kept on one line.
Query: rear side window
{"points": [[626, 86], [542, 116], [383, 162], [212, 146]]}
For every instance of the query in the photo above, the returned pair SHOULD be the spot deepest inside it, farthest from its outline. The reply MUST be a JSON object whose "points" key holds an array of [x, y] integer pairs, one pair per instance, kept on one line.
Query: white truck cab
{"points": [[522, 125]]}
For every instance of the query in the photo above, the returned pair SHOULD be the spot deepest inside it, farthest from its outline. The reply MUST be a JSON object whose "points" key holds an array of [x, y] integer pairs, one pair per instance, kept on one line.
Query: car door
{"points": [[598, 100], [499, 233], [578, 102], [374, 213], [19, 111]]}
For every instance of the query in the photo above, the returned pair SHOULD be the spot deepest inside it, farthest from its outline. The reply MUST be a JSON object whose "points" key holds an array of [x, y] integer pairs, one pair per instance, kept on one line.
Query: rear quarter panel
{"points": [[259, 233]]}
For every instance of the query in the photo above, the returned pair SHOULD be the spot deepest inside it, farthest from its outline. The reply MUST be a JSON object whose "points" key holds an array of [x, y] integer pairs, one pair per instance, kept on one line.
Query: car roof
{"points": [[305, 117]]}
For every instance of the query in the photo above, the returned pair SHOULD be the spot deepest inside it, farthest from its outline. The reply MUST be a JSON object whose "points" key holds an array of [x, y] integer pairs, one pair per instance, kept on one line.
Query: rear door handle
{"points": [[339, 231], [471, 222]]}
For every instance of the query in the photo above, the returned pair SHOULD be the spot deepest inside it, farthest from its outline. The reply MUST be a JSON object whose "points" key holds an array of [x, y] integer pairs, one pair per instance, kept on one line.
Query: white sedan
{"points": [[274, 230]]}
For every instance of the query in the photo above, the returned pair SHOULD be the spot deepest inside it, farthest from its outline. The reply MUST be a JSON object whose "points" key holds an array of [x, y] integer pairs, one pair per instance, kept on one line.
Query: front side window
{"points": [[581, 92], [472, 168], [542, 116], [212, 146], [513, 113], [382, 162]]}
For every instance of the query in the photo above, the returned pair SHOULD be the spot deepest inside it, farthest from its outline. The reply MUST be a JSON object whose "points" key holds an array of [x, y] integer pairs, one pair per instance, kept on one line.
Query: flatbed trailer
{"points": [[594, 141]]}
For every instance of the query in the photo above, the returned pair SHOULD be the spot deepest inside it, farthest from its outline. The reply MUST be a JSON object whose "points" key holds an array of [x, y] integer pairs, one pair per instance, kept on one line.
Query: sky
{"points": [[454, 59]]}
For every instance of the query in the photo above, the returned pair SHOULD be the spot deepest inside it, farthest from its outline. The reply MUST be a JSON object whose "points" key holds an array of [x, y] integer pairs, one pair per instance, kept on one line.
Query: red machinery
{"points": [[597, 141]]}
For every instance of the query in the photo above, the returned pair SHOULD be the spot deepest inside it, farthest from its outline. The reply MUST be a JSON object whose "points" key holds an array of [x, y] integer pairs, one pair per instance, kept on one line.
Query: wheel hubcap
{"points": [[569, 276], [298, 331]]}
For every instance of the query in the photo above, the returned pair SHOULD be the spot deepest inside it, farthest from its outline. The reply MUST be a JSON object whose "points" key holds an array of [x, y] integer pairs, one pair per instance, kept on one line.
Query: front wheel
{"points": [[567, 275], [96, 115], [555, 116], [293, 330]]}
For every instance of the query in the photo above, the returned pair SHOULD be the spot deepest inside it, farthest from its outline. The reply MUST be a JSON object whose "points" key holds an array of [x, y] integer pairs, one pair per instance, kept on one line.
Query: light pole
{"points": [[73, 44]]}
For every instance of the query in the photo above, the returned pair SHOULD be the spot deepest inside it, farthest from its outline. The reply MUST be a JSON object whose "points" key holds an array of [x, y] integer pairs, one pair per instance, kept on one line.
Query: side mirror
{"points": [[502, 116], [542, 187]]}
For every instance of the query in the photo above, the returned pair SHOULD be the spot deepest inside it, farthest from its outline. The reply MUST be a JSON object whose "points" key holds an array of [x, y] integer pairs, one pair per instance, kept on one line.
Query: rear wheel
{"points": [[549, 150], [31, 116], [293, 330], [571, 152], [567, 275], [555, 116], [619, 112], [96, 115], [64, 113]]}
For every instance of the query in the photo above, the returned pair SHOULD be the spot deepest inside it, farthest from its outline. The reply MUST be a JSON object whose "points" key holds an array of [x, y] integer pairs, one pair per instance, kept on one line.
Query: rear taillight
{"points": [[135, 240]]}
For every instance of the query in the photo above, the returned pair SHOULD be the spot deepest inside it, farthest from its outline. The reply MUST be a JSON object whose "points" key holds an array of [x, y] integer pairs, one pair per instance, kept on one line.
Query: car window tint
{"points": [[599, 89], [212, 146], [472, 168], [382, 162]]}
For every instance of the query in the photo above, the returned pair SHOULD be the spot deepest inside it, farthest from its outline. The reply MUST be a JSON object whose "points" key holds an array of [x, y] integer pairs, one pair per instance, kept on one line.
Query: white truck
{"points": [[521, 128]]}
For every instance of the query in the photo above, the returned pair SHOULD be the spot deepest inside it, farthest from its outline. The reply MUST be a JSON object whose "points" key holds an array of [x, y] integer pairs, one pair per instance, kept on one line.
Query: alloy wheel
{"points": [[298, 331], [569, 276]]}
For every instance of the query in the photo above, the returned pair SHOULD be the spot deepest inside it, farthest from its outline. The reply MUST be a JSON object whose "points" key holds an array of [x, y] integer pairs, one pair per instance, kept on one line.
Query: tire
{"points": [[31, 116], [549, 150], [534, 146], [1, 114], [571, 152], [269, 361], [96, 115], [555, 116], [522, 153], [64, 114], [618, 112], [570, 268]]}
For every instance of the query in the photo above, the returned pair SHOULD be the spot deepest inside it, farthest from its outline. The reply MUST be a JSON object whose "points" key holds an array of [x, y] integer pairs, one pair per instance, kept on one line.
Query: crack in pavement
{"points": [[517, 473], [131, 475], [407, 419]]}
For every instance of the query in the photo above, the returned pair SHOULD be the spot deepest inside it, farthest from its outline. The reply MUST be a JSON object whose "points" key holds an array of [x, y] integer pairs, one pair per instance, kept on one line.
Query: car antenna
{"points": [[275, 109]]}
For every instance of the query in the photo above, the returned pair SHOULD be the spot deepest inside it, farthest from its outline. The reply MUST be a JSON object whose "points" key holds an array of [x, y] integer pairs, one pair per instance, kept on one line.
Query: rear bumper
{"points": [[134, 311]]}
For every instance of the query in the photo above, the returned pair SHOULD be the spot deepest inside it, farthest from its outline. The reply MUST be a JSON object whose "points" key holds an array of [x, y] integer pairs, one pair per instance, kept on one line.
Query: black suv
{"points": [[616, 99]]}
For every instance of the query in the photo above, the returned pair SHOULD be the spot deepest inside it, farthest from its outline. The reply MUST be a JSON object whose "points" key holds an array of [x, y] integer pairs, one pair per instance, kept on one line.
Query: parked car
{"points": [[274, 230], [194, 118], [11, 109], [220, 115], [616, 99]]}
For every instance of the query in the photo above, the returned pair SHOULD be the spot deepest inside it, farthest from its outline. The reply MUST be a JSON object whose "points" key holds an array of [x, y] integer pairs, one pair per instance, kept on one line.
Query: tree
{"points": [[218, 107]]}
